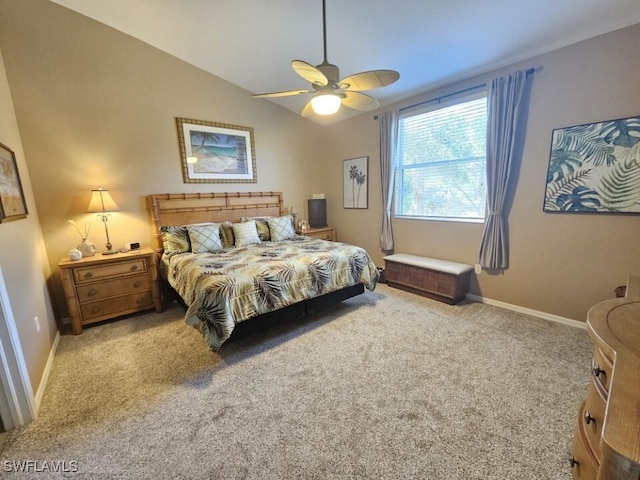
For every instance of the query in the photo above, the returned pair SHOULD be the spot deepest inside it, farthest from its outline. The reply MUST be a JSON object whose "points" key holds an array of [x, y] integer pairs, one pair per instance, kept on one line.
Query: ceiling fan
{"points": [[330, 92]]}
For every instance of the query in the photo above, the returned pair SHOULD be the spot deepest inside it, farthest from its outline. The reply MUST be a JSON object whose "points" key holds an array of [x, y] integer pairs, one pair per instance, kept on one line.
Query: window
{"points": [[441, 160]]}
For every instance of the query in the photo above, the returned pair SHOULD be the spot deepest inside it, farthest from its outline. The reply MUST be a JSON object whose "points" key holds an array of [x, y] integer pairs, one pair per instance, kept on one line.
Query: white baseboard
{"points": [[47, 370], [528, 311]]}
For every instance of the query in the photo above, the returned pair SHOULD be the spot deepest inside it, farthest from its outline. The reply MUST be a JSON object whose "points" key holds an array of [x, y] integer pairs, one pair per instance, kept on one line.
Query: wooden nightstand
{"points": [[107, 286], [323, 233]]}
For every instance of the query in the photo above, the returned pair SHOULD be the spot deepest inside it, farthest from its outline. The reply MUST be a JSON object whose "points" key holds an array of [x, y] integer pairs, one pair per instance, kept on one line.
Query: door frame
{"points": [[18, 405]]}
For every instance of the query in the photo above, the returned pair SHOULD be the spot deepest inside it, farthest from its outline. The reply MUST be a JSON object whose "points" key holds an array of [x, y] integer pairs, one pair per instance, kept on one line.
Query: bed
{"points": [[235, 256]]}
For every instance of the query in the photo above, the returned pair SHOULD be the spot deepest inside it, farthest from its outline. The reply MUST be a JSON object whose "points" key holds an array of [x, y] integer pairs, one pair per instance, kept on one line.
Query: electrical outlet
{"points": [[478, 269], [37, 322]]}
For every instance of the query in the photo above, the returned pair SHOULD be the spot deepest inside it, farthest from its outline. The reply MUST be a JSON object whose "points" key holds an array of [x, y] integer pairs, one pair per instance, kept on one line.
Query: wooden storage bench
{"points": [[438, 279]]}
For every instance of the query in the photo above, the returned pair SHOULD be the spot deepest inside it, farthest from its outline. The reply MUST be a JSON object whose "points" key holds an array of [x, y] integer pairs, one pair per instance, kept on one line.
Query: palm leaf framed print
{"points": [[595, 168]]}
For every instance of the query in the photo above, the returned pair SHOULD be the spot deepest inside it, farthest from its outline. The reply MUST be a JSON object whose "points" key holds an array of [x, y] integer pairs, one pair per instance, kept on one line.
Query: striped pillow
{"points": [[246, 233]]}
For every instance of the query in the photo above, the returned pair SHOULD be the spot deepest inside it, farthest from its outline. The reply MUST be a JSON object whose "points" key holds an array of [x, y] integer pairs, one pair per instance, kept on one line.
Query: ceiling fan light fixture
{"points": [[330, 91], [325, 104]]}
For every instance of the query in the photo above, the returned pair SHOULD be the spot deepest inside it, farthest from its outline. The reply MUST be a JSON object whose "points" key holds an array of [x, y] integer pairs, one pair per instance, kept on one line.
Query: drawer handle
{"points": [[140, 301], [137, 284], [597, 371], [588, 418], [95, 309], [92, 292], [134, 268], [89, 275], [573, 462]]}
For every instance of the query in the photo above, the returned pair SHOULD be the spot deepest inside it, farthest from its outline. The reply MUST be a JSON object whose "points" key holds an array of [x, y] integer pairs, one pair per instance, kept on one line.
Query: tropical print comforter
{"points": [[235, 284]]}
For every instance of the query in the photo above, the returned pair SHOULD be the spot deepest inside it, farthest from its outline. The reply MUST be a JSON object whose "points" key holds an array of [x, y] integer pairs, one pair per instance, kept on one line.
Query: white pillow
{"points": [[246, 233], [205, 237], [281, 228]]}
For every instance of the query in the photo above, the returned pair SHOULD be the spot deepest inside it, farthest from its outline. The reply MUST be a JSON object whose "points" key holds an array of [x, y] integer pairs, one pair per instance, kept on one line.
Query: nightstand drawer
{"points": [[120, 306], [323, 236], [113, 288], [93, 273], [321, 233]]}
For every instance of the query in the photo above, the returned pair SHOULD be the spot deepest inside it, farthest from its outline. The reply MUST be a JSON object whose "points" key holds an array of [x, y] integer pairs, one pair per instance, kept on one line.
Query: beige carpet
{"points": [[386, 385]]}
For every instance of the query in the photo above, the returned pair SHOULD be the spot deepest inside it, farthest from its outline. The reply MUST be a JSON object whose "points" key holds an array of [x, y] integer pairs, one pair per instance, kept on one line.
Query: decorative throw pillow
{"points": [[246, 233], [261, 225], [175, 239], [205, 237], [281, 228], [226, 234]]}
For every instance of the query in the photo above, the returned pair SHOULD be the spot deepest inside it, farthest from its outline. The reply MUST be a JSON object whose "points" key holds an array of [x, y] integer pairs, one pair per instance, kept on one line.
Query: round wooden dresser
{"points": [[606, 444]]}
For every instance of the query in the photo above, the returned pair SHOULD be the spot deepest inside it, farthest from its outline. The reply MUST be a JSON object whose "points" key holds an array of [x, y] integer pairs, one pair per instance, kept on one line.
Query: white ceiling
{"points": [[251, 43]]}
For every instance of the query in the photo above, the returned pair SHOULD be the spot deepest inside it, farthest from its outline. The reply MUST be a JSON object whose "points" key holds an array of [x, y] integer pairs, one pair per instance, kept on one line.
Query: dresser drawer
{"points": [[98, 272], [94, 311], [112, 288], [592, 416], [601, 369], [584, 466]]}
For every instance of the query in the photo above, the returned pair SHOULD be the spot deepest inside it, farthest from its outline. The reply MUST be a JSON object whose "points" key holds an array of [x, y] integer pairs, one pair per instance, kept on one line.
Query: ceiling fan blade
{"points": [[359, 101], [281, 94], [369, 80], [309, 73], [307, 111]]}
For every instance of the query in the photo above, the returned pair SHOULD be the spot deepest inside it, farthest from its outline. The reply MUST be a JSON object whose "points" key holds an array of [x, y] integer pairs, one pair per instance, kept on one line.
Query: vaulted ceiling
{"points": [[251, 43]]}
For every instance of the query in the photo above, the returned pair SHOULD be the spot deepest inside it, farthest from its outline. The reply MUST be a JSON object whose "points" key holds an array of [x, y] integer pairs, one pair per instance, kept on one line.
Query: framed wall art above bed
{"points": [[216, 152]]}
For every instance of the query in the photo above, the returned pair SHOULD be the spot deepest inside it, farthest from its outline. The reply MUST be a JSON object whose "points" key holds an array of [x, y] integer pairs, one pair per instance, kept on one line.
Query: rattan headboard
{"points": [[187, 208]]}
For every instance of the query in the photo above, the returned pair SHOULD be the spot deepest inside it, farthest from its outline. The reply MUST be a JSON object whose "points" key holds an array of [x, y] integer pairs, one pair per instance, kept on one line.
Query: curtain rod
{"points": [[442, 97]]}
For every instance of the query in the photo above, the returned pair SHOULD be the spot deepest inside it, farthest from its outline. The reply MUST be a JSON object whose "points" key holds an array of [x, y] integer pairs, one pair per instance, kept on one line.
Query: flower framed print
{"points": [[216, 152], [12, 202], [595, 168], [355, 174]]}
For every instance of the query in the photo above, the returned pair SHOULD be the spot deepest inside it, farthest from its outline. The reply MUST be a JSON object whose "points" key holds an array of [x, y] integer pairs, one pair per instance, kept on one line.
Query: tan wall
{"points": [[560, 264], [97, 108], [23, 257]]}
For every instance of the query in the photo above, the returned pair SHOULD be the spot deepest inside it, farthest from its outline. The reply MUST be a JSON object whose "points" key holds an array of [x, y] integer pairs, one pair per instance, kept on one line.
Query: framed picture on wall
{"points": [[216, 152], [355, 181], [595, 168], [12, 203]]}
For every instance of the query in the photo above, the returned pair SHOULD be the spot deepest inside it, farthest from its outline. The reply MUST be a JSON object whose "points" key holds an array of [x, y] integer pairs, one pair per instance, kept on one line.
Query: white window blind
{"points": [[441, 172]]}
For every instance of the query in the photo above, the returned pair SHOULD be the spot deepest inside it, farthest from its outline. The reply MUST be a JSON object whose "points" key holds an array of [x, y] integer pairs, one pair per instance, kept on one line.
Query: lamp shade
{"points": [[101, 202], [325, 104]]}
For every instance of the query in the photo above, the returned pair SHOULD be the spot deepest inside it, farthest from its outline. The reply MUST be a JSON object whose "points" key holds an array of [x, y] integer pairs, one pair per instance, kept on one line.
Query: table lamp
{"points": [[102, 204]]}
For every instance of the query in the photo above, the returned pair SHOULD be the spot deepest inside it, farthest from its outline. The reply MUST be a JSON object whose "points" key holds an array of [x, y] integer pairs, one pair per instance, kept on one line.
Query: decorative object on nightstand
{"points": [[75, 254], [294, 216], [102, 204], [86, 247], [317, 212], [105, 287]]}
